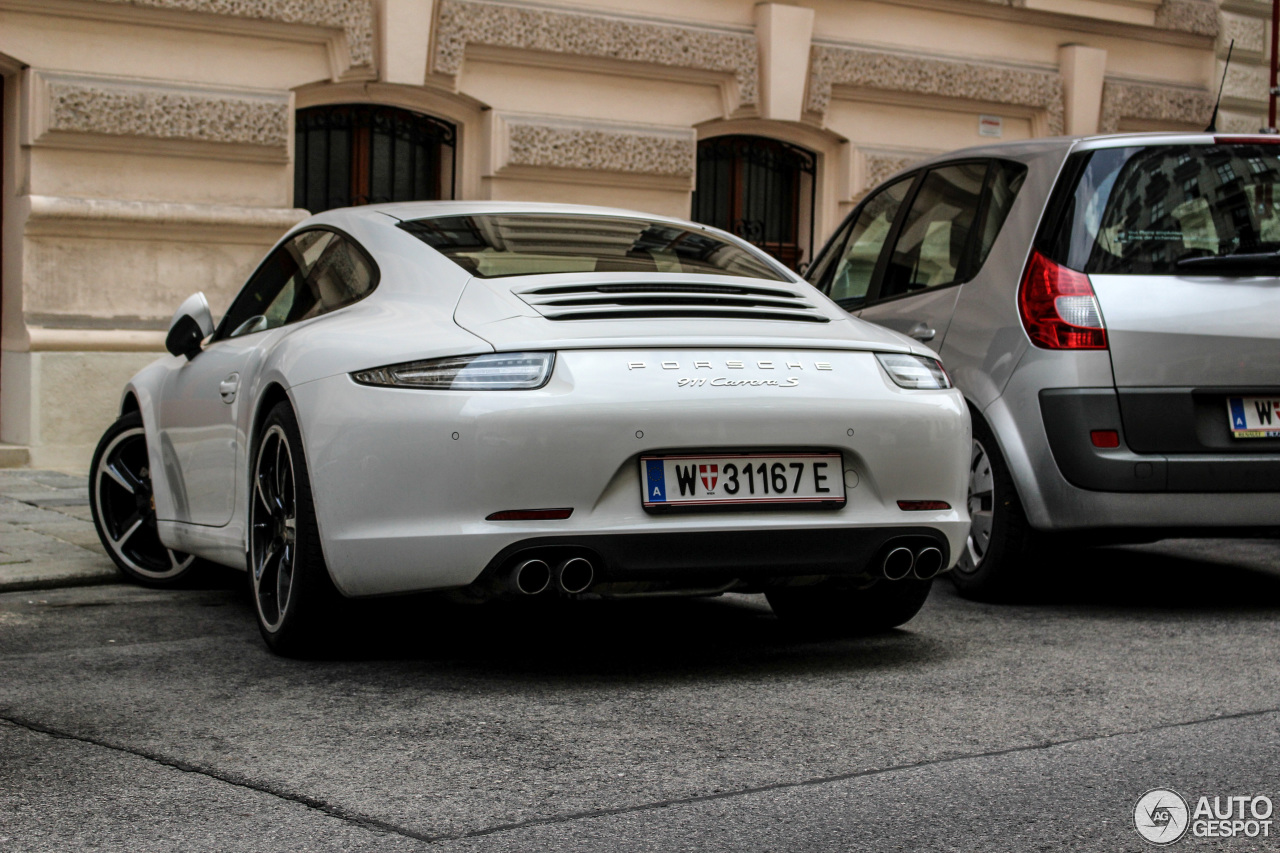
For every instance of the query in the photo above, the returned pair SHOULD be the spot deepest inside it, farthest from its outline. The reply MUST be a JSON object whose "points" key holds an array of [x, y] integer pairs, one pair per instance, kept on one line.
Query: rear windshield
{"points": [[497, 245], [1154, 209]]}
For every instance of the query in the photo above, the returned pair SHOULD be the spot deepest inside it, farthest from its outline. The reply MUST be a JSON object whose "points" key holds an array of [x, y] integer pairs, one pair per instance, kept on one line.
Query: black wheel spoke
{"points": [[273, 528], [284, 579], [261, 492], [128, 527], [124, 477], [280, 473], [124, 508]]}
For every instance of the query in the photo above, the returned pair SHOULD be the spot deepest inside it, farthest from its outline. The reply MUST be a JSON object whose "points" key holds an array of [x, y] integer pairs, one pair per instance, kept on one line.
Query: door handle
{"points": [[228, 387], [922, 332]]}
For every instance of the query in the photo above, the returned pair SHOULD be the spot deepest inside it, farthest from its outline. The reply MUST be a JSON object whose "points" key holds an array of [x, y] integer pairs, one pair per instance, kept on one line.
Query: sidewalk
{"points": [[46, 535]]}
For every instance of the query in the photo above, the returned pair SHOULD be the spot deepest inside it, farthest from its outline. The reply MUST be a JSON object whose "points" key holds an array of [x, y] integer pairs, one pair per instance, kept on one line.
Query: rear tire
{"points": [[293, 595], [835, 608], [123, 505], [992, 565]]}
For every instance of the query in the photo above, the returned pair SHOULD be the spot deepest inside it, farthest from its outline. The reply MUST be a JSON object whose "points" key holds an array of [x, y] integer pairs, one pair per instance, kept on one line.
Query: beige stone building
{"points": [[153, 148]]}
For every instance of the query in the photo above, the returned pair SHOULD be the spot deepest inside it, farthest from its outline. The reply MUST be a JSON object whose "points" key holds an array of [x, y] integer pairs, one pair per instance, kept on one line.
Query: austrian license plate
{"points": [[778, 479], [1254, 417]]}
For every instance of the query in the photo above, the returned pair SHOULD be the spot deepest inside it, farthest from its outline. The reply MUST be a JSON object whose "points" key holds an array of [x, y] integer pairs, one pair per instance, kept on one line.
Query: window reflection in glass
{"points": [[935, 235], [858, 257]]}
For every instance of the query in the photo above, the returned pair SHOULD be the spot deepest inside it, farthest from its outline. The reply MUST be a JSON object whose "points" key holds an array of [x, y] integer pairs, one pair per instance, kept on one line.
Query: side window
{"points": [[339, 276], [311, 274], [1002, 188], [935, 235], [855, 261], [817, 272]]}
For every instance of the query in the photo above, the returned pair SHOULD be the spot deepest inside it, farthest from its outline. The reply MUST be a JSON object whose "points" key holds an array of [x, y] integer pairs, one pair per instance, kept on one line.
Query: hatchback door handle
{"points": [[922, 332], [228, 387]]}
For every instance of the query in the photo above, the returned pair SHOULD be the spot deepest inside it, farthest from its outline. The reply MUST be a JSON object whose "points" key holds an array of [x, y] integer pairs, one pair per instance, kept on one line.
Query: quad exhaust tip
{"points": [[928, 563], [575, 575], [898, 563], [531, 577], [901, 562]]}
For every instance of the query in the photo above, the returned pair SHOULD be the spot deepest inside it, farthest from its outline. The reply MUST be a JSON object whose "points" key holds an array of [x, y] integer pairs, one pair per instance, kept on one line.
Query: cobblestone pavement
{"points": [[46, 534]]}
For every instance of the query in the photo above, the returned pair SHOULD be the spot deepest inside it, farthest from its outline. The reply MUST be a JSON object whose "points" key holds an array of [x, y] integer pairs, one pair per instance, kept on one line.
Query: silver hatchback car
{"points": [[1110, 307]]}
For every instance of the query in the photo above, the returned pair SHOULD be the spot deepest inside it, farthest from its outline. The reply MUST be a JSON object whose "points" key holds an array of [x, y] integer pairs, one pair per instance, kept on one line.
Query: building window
{"points": [[348, 154], [760, 189]]}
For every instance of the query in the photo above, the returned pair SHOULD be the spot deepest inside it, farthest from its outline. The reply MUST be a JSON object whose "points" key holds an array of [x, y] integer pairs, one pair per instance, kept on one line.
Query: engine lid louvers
{"points": [[601, 301]]}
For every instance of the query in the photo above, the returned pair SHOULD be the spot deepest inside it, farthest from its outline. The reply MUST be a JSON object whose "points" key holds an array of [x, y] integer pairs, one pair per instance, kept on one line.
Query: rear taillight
{"points": [[1059, 309]]}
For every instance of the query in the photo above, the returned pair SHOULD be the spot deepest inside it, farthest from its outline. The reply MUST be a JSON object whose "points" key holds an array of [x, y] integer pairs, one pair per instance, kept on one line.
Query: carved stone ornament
{"points": [[1152, 103], [463, 22], [115, 109], [353, 17], [1199, 17], [921, 75], [598, 146]]}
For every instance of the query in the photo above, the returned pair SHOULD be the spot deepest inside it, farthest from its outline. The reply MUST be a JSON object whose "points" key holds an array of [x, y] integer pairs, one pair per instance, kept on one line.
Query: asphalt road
{"points": [[142, 720]]}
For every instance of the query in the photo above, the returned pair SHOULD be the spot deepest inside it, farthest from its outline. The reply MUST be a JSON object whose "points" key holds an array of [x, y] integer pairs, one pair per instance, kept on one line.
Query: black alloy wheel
{"points": [[295, 599], [275, 528], [123, 505]]}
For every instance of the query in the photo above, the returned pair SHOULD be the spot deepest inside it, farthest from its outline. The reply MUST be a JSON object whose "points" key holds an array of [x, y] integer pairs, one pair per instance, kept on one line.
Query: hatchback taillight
{"points": [[1058, 307]]}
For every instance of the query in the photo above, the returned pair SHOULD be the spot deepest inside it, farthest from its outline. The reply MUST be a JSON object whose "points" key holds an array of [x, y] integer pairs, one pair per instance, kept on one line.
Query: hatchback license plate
{"points": [[778, 479], [1254, 417]]}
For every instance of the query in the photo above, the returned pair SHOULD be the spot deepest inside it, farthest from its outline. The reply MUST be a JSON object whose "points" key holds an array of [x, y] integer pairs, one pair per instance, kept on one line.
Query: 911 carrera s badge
{"points": [[733, 364], [724, 382], [693, 378]]}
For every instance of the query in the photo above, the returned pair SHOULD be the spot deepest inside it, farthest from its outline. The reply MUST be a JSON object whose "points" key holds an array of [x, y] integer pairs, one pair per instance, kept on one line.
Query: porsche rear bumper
{"points": [[403, 479]]}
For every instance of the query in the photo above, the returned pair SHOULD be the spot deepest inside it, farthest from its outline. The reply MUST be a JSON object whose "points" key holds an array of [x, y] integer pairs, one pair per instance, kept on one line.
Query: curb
{"points": [[38, 583]]}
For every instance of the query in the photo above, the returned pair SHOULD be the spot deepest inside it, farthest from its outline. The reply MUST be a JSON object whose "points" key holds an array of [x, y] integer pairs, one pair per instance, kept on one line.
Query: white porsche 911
{"points": [[524, 400]]}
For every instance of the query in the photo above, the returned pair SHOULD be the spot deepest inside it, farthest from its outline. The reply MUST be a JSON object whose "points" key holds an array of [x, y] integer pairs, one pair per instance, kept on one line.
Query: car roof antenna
{"points": [[1213, 120]]}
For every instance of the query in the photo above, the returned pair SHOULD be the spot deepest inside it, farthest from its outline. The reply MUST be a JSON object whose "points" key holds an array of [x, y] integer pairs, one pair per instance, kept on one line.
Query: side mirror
{"points": [[191, 324]]}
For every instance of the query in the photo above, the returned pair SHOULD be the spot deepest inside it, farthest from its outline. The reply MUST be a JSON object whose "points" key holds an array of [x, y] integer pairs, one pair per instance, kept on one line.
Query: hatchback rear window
{"points": [[1157, 209], [510, 244]]}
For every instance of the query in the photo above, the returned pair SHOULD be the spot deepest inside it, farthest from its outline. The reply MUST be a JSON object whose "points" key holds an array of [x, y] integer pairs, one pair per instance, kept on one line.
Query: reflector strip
{"points": [[915, 506], [529, 514], [1105, 438]]}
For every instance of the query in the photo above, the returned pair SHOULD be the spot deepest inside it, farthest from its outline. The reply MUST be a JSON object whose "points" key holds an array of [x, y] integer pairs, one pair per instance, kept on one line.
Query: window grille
{"points": [[760, 189], [350, 154]]}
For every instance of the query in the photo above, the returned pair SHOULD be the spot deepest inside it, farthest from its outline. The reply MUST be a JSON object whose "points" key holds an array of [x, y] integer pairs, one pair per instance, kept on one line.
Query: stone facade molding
{"points": [[1248, 33], [673, 45], [47, 210], [1245, 85], [114, 112], [548, 142], [571, 150], [865, 68], [1124, 100], [1198, 17], [353, 17], [97, 266]]}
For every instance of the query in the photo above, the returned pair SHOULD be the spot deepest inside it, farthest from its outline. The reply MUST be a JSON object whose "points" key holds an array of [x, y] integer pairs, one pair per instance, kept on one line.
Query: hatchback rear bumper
{"points": [[1097, 489], [1071, 415]]}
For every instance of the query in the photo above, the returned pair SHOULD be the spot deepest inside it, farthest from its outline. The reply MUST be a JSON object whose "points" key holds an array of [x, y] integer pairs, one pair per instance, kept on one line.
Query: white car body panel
{"points": [[424, 495], [401, 503]]}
